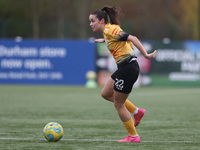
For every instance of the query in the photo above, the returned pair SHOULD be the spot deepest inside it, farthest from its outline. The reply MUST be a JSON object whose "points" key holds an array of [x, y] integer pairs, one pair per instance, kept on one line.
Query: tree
{"points": [[147, 19], [187, 12]]}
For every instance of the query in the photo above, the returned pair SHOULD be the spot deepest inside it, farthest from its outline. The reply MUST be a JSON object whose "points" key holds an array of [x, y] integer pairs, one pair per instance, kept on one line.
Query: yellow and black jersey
{"points": [[118, 48]]}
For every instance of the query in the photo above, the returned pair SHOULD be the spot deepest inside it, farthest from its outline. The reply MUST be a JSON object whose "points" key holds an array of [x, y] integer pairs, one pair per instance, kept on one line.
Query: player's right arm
{"points": [[99, 40]]}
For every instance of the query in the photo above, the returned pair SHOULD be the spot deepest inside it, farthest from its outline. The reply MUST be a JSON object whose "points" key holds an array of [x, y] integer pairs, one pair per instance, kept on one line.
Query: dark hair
{"points": [[112, 12]]}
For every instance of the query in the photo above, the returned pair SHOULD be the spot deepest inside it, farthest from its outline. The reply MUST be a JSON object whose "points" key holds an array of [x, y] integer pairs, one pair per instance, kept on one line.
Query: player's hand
{"points": [[99, 40], [151, 55]]}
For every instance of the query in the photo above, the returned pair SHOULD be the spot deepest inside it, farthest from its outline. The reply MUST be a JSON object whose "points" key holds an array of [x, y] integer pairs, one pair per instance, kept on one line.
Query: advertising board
{"points": [[46, 61]]}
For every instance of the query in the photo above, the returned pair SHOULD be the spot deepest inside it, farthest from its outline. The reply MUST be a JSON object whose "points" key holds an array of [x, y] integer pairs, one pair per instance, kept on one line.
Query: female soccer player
{"points": [[120, 84]]}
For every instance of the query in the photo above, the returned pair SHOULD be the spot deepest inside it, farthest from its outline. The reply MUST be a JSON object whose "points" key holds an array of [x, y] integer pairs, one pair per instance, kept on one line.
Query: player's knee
{"points": [[106, 96]]}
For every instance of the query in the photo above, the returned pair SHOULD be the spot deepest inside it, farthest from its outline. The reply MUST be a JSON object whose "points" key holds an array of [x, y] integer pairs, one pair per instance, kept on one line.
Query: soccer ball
{"points": [[53, 132]]}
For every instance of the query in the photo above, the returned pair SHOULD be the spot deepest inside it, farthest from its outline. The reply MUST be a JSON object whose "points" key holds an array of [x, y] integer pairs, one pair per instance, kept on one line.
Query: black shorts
{"points": [[125, 76]]}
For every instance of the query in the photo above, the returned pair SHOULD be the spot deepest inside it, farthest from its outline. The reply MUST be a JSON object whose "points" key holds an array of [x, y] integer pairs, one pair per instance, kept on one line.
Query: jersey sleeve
{"points": [[118, 34]]}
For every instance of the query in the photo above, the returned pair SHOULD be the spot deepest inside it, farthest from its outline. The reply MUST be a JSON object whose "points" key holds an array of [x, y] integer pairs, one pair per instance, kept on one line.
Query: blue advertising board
{"points": [[46, 61]]}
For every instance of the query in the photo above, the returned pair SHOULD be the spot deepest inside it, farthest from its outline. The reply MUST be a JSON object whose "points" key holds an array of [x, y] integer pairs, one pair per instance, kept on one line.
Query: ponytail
{"points": [[112, 12]]}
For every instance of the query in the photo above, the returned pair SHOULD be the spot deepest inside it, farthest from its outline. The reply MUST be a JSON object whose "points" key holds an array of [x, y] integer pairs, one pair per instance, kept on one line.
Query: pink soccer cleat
{"points": [[138, 116], [130, 139]]}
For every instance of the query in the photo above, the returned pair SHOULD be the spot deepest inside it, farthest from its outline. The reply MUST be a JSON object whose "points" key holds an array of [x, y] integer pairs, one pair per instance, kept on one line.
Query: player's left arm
{"points": [[140, 47]]}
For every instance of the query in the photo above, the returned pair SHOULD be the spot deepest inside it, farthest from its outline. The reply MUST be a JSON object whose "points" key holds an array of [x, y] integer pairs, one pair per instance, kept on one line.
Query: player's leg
{"points": [[130, 75], [138, 113], [131, 108], [119, 102], [127, 120], [108, 92]]}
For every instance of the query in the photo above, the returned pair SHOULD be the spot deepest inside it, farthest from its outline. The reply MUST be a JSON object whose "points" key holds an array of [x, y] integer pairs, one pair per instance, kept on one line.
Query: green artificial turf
{"points": [[172, 119]]}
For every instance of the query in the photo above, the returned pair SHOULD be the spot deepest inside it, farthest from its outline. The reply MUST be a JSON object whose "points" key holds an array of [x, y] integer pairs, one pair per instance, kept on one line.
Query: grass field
{"points": [[172, 120]]}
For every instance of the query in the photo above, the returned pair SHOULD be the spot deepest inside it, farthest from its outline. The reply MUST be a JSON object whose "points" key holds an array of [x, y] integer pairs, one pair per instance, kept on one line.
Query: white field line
{"points": [[93, 140]]}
